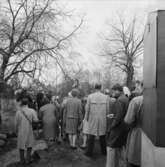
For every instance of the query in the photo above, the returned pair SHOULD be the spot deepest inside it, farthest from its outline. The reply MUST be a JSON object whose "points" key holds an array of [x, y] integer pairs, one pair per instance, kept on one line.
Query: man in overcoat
{"points": [[116, 132], [97, 109]]}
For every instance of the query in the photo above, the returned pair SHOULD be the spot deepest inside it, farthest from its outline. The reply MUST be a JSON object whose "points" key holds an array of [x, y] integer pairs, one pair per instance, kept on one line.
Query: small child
{"points": [[23, 124]]}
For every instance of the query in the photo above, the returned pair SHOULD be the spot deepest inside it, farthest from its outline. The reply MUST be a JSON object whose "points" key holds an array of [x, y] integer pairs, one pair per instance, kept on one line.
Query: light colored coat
{"points": [[97, 109], [74, 108], [24, 128], [133, 146]]}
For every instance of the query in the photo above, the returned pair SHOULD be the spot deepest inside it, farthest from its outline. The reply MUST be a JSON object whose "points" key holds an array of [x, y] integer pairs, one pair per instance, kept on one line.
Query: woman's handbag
{"points": [[36, 125]]}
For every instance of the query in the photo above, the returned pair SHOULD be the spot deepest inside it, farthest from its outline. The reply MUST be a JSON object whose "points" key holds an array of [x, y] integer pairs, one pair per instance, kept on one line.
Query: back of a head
{"points": [[74, 93], [45, 101], [25, 101], [49, 96], [39, 96], [138, 91], [137, 82], [98, 86], [22, 97], [117, 87]]}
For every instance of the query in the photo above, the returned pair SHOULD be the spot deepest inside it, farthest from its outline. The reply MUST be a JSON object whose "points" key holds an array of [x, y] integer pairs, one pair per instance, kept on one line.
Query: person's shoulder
{"points": [[104, 96], [31, 110], [50, 105], [18, 112], [137, 99], [78, 100], [91, 95], [69, 99], [44, 107], [136, 102], [123, 98]]}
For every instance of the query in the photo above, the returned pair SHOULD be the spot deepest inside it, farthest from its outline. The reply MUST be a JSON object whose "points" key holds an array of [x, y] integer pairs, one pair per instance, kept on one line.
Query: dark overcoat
{"points": [[117, 133]]}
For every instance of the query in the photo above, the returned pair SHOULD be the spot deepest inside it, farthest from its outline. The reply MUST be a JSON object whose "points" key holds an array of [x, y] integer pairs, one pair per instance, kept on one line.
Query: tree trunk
{"points": [[130, 74], [7, 106], [1, 96], [1, 75], [2, 82], [2, 90]]}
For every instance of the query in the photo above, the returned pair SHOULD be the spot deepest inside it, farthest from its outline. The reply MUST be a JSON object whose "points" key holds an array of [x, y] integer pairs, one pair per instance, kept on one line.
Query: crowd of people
{"points": [[113, 116]]}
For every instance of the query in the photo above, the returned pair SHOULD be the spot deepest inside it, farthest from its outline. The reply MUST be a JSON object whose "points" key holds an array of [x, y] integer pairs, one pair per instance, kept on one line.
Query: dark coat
{"points": [[117, 135]]}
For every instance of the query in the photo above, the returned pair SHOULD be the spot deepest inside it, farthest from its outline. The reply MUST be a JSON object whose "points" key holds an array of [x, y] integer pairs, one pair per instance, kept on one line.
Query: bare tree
{"points": [[30, 35], [123, 46]]}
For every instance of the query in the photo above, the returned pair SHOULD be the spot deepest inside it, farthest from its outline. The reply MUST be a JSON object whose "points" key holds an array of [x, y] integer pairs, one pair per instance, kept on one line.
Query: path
{"points": [[58, 156]]}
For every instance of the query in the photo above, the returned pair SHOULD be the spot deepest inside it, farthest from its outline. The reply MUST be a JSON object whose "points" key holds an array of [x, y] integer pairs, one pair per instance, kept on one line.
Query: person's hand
{"points": [[110, 116], [16, 132], [64, 124], [81, 126]]}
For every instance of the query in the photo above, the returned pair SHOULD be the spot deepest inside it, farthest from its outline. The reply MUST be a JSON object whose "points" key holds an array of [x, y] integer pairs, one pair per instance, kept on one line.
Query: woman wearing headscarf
{"points": [[126, 91]]}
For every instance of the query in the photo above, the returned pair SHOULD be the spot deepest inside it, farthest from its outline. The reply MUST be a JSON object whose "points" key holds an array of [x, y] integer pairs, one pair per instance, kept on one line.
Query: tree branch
{"points": [[137, 46], [16, 72]]}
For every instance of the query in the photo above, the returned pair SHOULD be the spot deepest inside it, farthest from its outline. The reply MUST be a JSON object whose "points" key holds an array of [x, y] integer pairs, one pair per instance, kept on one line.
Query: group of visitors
{"points": [[124, 133], [112, 116]]}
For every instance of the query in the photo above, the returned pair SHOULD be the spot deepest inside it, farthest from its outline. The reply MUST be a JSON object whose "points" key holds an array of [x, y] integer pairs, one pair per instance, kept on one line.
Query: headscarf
{"points": [[126, 91]]}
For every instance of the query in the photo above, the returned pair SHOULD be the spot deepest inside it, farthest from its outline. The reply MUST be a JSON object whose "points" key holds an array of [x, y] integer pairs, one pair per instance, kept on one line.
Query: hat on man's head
{"points": [[117, 87], [75, 92], [97, 86]]}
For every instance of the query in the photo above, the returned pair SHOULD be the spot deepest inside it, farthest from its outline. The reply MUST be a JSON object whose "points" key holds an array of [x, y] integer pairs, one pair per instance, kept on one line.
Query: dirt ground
{"points": [[56, 156]]}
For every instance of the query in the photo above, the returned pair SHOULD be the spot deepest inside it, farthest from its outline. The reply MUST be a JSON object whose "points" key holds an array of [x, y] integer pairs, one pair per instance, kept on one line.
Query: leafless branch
{"points": [[124, 46]]}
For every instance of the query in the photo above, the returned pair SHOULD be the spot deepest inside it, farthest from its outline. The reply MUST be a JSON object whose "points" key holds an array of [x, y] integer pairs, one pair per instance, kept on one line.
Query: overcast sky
{"points": [[97, 12]]}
